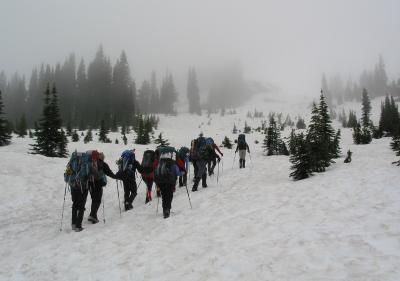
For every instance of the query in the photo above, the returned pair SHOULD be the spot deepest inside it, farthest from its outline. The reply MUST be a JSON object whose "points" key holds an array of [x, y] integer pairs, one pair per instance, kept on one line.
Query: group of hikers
{"points": [[87, 172]]}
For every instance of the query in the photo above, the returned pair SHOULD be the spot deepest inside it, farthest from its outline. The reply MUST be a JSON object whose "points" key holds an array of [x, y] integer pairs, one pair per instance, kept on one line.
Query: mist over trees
{"points": [[89, 92], [375, 81]]}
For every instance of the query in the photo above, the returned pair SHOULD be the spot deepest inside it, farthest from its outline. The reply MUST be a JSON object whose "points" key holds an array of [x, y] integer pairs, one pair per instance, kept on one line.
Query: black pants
{"points": [[211, 165], [96, 193], [201, 173], [130, 191], [79, 196], [167, 193]]}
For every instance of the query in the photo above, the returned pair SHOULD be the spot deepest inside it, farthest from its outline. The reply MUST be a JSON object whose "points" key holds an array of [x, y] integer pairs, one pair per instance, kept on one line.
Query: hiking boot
{"points": [[78, 228], [204, 185], [194, 189], [128, 207], [93, 219], [166, 213], [73, 226]]}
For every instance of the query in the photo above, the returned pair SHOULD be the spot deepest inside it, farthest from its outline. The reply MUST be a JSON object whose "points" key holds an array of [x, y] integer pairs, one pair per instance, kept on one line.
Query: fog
{"points": [[286, 43]]}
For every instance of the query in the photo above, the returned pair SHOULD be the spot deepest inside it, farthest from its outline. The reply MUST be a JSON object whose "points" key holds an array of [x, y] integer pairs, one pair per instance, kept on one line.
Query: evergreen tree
{"points": [[327, 133], [5, 136], [300, 123], [103, 133], [300, 159], [193, 92], [75, 136], [21, 127], [143, 131], [69, 129], [160, 141], [154, 106], [234, 130], [227, 143], [247, 128], [336, 145], [88, 137], [366, 110], [114, 125], [125, 140], [51, 140], [389, 119], [168, 95], [357, 135], [352, 123], [314, 140], [271, 138]]}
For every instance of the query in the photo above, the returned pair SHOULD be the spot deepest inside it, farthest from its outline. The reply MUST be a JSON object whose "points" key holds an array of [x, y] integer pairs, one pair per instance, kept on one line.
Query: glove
{"points": [[222, 154], [219, 160]]}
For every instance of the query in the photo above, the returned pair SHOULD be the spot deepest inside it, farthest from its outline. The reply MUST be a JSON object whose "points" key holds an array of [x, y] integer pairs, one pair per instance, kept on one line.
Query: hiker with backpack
{"points": [[212, 161], [183, 164], [97, 180], [78, 172], [149, 163], [165, 176], [200, 152], [127, 166], [242, 146]]}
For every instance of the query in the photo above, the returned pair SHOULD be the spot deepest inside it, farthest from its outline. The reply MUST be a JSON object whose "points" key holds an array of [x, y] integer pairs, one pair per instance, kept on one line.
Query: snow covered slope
{"points": [[254, 224]]}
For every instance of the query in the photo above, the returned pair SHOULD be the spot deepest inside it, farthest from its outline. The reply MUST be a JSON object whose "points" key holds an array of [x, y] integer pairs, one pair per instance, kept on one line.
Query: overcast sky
{"points": [[288, 43]]}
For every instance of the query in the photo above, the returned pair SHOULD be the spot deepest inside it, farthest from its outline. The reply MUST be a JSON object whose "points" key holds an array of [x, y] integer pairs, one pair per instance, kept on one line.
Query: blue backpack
{"points": [[209, 141], [126, 161], [78, 169]]}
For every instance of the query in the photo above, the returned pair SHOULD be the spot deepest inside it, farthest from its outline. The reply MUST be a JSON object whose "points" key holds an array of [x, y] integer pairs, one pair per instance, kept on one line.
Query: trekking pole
{"points": [[218, 173], [119, 201], [104, 218], [251, 161], [233, 163], [158, 201], [222, 165], [62, 214], [139, 183], [187, 191]]}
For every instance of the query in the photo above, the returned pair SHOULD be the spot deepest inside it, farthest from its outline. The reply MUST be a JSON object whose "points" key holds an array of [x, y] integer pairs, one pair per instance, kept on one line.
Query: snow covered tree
{"points": [[5, 136], [300, 159], [227, 143], [364, 134], [51, 140], [103, 133], [160, 141], [352, 123], [75, 136], [88, 137], [327, 133]]}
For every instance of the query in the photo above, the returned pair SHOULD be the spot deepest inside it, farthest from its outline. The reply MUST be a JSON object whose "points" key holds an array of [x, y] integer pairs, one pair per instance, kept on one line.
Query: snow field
{"points": [[255, 224]]}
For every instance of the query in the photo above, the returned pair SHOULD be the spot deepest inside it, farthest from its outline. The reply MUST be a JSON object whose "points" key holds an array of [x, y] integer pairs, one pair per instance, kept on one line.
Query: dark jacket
{"points": [[242, 146], [130, 173]]}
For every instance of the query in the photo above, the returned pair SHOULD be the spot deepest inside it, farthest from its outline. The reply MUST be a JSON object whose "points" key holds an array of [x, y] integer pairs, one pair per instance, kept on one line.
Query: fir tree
{"points": [[51, 140], [247, 128], [160, 141], [234, 130], [103, 133], [352, 123], [116, 141], [69, 129], [227, 143], [314, 140], [336, 145], [357, 134], [327, 133], [300, 123], [5, 136], [21, 127], [300, 159], [75, 136], [125, 140], [88, 137], [193, 92]]}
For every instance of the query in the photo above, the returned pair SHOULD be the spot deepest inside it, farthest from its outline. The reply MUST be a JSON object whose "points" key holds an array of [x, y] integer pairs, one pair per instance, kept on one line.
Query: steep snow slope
{"points": [[255, 224]]}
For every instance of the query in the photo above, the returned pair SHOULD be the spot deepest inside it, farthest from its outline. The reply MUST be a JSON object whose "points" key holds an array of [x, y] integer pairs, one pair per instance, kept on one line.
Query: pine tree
{"points": [[314, 140], [5, 136], [227, 143], [352, 123], [69, 129], [300, 123], [395, 144], [88, 137], [234, 130], [75, 136], [336, 145], [247, 128], [144, 128], [300, 159], [160, 141], [103, 133], [327, 133], [193, 92], [51, 140], [21, 127], [125, 140], [357, 135], [366, 135]]}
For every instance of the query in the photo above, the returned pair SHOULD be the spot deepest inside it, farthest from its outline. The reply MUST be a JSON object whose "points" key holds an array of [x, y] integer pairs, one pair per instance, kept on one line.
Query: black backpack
{"points": [[147, 161], [242, 141], [164, 173]]}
